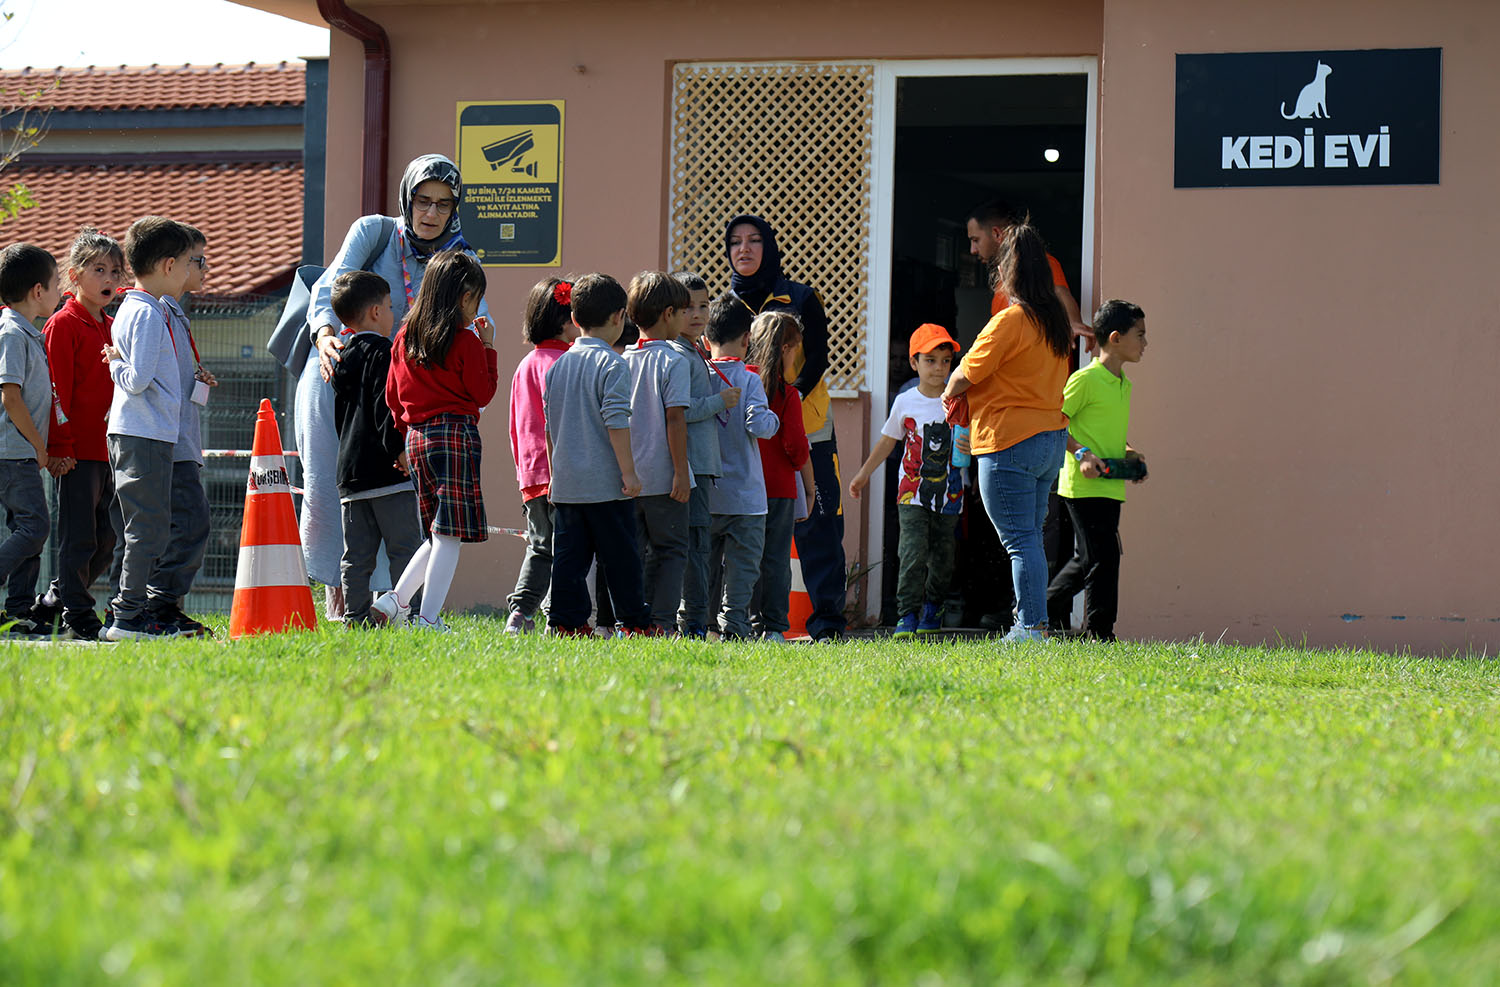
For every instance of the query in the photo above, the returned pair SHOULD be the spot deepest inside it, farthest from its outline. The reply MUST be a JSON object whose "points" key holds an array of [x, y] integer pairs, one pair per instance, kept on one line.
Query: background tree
{"points": [[24, 112]]}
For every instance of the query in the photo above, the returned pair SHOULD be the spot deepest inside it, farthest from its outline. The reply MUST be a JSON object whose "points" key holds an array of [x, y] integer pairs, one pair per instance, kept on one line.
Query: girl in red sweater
{"points": [[82, 389], [774, 341], [443, 370]]}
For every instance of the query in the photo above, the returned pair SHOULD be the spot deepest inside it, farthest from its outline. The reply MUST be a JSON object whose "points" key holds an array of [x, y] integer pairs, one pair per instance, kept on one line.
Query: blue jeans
{"points": [[1015, 483]]}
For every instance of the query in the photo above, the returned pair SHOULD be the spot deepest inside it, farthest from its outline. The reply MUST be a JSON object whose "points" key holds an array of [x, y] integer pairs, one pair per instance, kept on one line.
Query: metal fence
{"points": [[231, 334]]}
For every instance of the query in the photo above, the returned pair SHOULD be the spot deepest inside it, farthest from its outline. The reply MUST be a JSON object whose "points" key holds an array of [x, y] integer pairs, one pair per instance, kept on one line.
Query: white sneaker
{"points": [[421, 623], [388, 606], [1019, 634]]}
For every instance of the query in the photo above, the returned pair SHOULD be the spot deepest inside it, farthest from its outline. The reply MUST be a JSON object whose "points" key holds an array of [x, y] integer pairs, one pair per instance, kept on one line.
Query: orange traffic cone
{"points": [[271, 592], [799, 604]]}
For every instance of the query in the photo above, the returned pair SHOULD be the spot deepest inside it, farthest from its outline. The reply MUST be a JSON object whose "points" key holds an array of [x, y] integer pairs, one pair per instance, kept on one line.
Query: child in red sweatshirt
{"points": [[773, 353], [76, 336]]}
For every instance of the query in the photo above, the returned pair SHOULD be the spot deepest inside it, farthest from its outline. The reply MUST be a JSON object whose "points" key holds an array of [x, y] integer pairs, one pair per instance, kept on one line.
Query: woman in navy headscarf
{"points": [[756, 279], [397, 248]]}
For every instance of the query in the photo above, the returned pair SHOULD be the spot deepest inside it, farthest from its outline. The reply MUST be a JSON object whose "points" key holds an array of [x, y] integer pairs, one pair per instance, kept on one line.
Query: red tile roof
{"points": [[250, 212], [157, 87]]}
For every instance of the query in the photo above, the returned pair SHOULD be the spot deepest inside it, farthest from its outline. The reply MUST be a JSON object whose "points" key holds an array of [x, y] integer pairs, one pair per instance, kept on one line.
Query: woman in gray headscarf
{"points": [[397, 248]]}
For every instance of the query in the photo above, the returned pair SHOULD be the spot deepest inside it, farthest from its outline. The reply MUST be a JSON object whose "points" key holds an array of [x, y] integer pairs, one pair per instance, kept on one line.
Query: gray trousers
{"points": [[535, 577], [392, 519], [85, 533], [143, 485], [178, 566], [693, 614], [769, 602], [661, 525], [25, 503], [737, 542]]}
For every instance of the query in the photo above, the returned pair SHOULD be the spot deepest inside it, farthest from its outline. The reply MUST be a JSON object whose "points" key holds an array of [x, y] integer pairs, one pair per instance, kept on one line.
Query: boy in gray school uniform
{"points": [[28, 286], [586, 396], [178, 566], [705, 418], [660, 392], [737, 505], [145, 417]]}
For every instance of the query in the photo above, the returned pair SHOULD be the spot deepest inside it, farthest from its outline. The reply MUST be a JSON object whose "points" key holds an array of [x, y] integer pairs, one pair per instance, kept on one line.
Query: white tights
{"points": [[431, 567]]}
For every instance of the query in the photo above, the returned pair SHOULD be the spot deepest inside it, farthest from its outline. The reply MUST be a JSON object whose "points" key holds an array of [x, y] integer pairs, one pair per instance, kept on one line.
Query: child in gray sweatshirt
{"points": [[145, 416]]}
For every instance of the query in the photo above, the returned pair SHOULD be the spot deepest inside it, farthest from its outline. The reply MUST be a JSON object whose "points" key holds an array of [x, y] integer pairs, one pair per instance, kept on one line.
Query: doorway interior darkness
{"points": [[960, 140]]}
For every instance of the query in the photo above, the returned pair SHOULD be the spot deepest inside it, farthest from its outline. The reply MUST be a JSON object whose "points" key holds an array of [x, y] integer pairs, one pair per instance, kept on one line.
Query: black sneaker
{"points": [[20, 624], [172, 616], [82, 626], [146, 626]]}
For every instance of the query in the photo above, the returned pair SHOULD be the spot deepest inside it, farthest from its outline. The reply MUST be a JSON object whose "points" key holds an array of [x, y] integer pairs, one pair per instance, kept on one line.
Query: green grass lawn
{"points": [[384, 808]]}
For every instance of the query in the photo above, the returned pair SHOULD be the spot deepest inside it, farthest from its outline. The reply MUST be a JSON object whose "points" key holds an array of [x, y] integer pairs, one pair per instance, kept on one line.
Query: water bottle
{"points": [[960, 434]]}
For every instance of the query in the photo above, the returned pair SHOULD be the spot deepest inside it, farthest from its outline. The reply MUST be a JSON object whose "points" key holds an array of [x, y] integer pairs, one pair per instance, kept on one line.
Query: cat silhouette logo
{"points": [[1312, 101]]}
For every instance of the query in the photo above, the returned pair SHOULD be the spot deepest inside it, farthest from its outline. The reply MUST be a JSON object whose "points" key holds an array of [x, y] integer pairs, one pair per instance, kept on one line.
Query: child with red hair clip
{"points": [[548, 327]]}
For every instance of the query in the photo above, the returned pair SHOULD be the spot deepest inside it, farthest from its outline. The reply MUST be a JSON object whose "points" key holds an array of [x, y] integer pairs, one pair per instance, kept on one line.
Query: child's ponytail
{"points": [[437, 315], [770, 333]]}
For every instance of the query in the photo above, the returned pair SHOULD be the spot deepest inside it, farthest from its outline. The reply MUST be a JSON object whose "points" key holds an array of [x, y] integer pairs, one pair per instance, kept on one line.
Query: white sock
{"points": [[441, 565], [416, 573]]}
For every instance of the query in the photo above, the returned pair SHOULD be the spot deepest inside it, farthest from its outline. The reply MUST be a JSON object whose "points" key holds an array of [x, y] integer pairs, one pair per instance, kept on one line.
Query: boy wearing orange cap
{"points": [[930, 491]]}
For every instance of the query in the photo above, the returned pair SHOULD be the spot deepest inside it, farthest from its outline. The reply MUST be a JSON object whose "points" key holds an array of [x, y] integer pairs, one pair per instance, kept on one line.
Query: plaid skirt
{"points": [[444, 456]]}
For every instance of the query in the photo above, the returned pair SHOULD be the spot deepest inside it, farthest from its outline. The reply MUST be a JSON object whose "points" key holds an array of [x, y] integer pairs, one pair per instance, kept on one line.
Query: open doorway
{"points": [[955, 140]]}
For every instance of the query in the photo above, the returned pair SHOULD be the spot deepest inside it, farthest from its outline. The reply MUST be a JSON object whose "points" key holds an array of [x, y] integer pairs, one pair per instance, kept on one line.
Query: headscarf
{"points": [[763, 281], [428, 168]]}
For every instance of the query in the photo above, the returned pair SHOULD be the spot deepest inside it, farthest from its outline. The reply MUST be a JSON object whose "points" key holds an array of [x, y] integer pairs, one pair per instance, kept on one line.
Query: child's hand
{"points": [[858, 483], [59, 465], [731, 396], [403, 464], [1091, 466], [486, 330], [812, 500], [961, 443], [111, 352], [632, 484], [682, 488]]}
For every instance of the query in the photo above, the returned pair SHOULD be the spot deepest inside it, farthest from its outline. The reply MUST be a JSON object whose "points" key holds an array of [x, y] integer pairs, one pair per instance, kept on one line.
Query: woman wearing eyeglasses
{"points": [[397, 248]]}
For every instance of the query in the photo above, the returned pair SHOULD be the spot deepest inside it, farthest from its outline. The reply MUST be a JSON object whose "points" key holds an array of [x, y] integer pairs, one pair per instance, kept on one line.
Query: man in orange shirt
{"points": [[987, 226]]}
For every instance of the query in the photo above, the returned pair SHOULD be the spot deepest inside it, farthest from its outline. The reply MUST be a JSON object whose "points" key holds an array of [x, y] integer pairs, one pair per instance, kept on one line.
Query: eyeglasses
{"points": [[202, 262], [421, 204]]}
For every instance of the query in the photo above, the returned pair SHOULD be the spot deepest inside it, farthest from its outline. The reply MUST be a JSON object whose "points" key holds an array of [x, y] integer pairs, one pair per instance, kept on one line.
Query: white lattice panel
{"points": [[790, 143]]}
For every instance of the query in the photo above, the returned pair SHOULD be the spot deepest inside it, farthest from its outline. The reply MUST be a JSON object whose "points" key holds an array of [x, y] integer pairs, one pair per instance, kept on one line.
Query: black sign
{"points": [[1366, 117]]}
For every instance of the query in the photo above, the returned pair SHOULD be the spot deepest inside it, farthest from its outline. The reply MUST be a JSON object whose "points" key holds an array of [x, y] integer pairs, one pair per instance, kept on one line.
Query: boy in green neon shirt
{"points": [[1096, 400]]}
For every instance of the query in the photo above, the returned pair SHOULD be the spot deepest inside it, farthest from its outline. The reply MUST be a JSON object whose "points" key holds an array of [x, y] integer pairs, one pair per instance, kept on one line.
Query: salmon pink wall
{"points": [[1315, 400]]}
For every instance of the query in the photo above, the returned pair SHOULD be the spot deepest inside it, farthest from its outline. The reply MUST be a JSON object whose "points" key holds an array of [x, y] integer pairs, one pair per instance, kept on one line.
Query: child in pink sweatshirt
{"points": [[548, 326]]}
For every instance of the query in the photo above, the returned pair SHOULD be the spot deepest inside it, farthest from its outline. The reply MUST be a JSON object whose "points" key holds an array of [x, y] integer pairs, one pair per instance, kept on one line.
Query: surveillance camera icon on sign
{"points": [[511, 151]]}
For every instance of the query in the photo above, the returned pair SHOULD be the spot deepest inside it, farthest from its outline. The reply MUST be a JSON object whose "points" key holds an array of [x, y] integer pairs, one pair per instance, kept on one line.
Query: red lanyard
{"points": [[411, 296]]}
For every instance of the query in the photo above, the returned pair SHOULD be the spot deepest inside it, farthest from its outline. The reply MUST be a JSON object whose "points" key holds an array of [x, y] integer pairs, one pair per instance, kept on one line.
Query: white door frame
{"points": [[882, 213]]}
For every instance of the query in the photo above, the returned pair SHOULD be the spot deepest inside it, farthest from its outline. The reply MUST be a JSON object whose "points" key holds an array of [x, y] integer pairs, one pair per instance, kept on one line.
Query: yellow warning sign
{"points": [[510, 155]]}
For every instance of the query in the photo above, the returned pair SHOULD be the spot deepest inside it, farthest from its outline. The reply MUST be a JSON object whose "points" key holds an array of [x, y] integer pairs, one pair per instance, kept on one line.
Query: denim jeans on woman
{"points": [[1015, 483]]}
